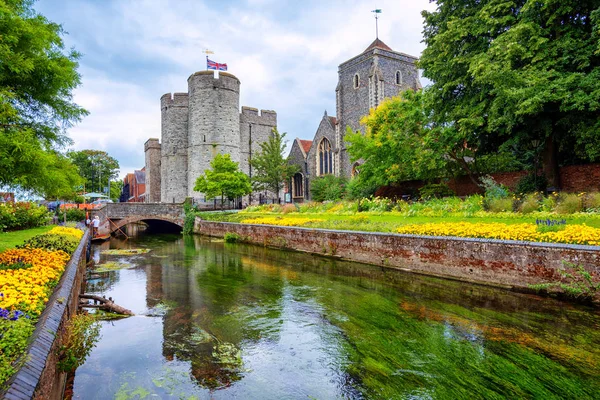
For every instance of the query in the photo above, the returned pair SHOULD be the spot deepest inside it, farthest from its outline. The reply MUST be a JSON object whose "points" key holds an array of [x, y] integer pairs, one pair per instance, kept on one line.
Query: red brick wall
{"points": [[497, 262], [574, 179]]}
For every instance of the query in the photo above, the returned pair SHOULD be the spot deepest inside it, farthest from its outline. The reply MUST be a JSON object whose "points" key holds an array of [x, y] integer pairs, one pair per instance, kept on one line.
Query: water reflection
{"points": [[218, 320]]}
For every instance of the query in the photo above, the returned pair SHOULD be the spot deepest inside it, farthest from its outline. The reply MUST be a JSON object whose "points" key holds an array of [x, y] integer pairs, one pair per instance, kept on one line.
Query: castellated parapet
{"points": [[202, 123]]}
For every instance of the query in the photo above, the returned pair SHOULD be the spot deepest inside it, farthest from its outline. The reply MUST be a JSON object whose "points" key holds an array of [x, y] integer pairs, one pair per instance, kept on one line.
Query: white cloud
{"points": [[285, 53]]}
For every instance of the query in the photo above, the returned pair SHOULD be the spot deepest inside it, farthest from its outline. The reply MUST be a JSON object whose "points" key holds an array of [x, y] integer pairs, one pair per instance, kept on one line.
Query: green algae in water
{"points": [[125, 252], [112, 266]]}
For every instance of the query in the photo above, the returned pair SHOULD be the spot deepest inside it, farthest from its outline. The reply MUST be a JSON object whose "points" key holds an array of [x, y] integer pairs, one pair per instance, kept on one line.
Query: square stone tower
{"points": [[364, 81]]}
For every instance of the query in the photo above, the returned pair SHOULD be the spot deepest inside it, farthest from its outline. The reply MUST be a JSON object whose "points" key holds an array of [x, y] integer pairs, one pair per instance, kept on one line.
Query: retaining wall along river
{"points": [[38, 377], [498, 262]]}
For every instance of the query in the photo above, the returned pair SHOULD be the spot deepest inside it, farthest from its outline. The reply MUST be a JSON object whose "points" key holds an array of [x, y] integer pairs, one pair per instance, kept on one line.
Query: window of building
{"points": [[356, 81], [298, 185], [324, 158], [398, 78]]}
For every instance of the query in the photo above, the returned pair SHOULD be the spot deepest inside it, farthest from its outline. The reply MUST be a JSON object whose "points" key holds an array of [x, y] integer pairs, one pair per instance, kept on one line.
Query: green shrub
{"points": [[376, 204], [328, 187], [500, 204], [357, 189], [80, 337], [531, 203], [569, 203], [493, 190], [52, 242], [549, 203], [15, 335], [22, 215], [592, 202], [231, 237], [435, 190], [73, 214], [531, 183]]}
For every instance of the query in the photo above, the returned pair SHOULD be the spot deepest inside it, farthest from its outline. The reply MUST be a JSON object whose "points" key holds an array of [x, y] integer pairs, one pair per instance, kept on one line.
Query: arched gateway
{"points": [[113, 216]]}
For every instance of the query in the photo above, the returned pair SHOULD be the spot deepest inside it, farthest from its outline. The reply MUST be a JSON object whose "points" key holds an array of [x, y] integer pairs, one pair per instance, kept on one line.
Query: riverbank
{"points": [[507, 263], [37, 376]]}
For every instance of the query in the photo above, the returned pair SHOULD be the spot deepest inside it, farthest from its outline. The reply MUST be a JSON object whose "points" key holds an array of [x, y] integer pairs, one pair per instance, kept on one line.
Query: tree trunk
{"points": [[550, 161], [105, 304]]}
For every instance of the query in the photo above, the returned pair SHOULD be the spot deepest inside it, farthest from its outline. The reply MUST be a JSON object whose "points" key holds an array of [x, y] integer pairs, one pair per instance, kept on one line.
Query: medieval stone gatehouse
{"points": [[364, 82], [197, 125]]}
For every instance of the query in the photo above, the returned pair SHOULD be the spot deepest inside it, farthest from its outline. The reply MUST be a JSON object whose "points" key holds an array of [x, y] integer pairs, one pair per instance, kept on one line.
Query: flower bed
{"points": [[571, 234], [280, 221], [27, 278]]}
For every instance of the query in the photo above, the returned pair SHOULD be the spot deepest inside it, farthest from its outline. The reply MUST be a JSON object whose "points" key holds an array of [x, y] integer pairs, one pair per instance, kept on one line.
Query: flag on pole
{"points": [[215, 65]]}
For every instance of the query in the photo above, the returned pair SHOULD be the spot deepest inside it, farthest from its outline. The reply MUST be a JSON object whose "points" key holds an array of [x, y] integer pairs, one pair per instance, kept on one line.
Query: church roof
{"points": [[378, 44], [305, 144]]}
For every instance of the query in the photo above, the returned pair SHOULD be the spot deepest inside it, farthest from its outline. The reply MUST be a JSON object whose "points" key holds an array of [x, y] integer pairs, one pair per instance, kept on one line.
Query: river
{"points": [[217, 320]]}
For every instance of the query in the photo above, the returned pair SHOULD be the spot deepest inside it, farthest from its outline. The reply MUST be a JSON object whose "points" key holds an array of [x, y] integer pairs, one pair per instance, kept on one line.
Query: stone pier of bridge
{"points": [[113, 216]]}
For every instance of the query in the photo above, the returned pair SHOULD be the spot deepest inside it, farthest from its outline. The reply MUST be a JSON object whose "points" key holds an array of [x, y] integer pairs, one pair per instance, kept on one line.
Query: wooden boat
{"points": [[100, 238]]}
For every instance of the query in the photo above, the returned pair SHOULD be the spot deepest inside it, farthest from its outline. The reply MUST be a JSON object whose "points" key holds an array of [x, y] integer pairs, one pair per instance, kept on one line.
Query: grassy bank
{"points": [[9, 240]]}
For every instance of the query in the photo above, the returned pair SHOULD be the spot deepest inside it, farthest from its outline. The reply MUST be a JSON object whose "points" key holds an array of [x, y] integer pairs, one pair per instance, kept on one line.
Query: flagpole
{"points": [[376, 11]]}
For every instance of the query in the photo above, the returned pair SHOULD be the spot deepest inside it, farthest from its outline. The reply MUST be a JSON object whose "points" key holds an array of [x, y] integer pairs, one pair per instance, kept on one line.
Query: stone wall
{"points": [[174, 134], [38, 377], [152, 150], [504, 263]]}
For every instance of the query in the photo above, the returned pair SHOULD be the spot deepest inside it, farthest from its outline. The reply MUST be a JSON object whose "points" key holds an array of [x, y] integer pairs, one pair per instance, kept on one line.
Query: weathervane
{"points": [[207, 52], [376, 11]]}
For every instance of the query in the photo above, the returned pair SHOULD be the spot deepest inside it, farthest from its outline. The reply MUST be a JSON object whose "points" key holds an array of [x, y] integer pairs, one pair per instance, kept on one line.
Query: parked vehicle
{"points": [[101, 201]]}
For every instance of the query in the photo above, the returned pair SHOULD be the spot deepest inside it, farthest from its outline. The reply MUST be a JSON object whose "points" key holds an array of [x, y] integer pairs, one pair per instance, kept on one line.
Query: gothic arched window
{"points": [[398, 78], [298, 185], [356, 81], [324, 158]]}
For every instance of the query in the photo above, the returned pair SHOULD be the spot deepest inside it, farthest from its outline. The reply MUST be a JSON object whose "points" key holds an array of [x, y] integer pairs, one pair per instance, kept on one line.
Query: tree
{"points": [[224, 179], [36, 82], [116, 187], [511, 73], [270, 167], [96, 167], [398, 144]]}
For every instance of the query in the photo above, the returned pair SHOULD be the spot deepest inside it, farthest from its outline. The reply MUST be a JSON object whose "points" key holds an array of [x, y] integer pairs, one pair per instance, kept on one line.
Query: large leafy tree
{"points": [[508, 73], [37, 78], [270, 168], [96, 167], [224, 179]]}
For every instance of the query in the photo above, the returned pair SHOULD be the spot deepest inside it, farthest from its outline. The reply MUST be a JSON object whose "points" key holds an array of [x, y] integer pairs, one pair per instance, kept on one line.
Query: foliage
{"points": [[550, 225], [270, 168], [379, 204], [15, 335], [116, 187], [531, 203], [388, 147], [223, 179], [52, 242], [37, 78], [73, 214], [507, 73], [576, 282], [97, 168], [497, 205], [280, 221], [592, 201], [22, 215], [9, 240], [231, 237], [435, 190], [492, 189], [327, 188], [531, 183], [80, 337], [358, 188], [569, 203]]}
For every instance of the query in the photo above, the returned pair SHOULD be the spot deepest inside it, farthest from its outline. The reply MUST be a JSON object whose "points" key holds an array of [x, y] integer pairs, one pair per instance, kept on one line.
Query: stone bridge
{"points": [[113, 216]]}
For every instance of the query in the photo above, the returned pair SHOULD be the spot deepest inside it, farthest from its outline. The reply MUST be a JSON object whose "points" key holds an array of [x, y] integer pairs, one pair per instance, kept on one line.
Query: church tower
{"points": [[364, 81]]}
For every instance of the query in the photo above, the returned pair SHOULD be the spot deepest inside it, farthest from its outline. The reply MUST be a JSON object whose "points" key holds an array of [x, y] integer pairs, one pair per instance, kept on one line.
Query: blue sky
{"points": [[285, 53]]}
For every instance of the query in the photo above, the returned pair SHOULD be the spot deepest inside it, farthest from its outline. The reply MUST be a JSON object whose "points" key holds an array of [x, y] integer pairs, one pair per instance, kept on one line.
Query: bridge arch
{"points": [[117, 224]]}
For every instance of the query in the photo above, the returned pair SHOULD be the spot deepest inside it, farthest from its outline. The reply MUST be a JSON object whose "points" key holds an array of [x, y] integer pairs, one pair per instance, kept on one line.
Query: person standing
{"points": [[95, 225]]}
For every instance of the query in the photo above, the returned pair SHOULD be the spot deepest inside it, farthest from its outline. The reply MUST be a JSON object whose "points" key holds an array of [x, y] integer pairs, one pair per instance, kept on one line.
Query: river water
{"points": [[216, 320]]}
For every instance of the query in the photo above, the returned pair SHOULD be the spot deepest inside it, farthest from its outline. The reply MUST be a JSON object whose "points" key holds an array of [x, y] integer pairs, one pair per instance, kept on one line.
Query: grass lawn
{"points": [[389, 221], [9, 240]]}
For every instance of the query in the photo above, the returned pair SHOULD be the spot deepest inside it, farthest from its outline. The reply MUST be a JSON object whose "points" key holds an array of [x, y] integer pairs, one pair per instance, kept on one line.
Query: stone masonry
{"points": [[196, 126]]}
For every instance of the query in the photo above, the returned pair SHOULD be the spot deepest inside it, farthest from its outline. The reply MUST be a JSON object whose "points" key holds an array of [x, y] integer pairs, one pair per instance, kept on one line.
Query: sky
{"points": [[285, 53]]}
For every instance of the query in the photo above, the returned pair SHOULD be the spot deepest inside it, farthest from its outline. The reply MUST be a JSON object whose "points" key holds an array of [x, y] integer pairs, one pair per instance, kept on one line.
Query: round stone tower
{"points": [[214, 122], [174, 132]]}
